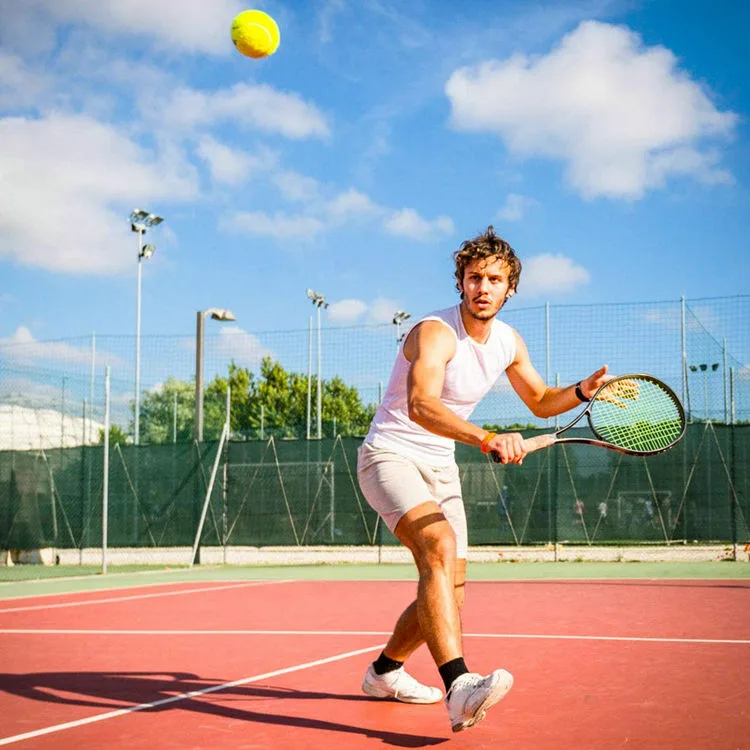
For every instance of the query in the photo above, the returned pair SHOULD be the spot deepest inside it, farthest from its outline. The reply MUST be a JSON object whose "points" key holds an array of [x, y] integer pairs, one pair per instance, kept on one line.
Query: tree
{"points": [[116, 435], [157, 413], [281, 394]]}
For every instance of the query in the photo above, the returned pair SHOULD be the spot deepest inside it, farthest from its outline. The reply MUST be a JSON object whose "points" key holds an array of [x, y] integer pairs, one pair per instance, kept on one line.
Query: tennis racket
{"points": [[633, 414]]}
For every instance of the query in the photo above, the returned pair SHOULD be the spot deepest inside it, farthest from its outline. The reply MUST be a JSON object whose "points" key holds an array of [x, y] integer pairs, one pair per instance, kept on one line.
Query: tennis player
{"points": [[408, 474]]}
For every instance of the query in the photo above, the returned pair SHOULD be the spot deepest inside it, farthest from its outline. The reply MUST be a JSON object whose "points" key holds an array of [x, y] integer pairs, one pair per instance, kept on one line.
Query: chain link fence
{"points": [[274, 489]]}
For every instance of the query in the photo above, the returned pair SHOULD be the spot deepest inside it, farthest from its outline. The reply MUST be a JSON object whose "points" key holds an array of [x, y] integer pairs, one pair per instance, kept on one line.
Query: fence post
{"points": [[732, 468], [105, 471]]}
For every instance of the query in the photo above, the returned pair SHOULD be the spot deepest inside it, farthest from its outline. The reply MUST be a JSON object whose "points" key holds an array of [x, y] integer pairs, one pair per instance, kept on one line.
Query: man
{"points": [[408, 474]]}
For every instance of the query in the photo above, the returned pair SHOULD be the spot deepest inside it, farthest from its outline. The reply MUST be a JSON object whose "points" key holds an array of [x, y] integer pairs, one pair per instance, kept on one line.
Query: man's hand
{"points": [[595, 381], [509, 448]]}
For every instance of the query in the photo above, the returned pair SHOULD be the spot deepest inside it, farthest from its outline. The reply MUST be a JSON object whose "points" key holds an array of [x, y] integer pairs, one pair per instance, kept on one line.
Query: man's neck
{"points": [[479, 330]]}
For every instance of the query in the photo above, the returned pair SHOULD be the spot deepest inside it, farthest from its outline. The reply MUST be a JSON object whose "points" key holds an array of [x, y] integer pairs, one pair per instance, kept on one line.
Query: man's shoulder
{"points": [[443, 319]]}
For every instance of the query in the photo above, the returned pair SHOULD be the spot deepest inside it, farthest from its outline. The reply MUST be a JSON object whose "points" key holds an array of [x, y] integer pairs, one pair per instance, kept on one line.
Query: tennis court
{"points": [[273, 658]]}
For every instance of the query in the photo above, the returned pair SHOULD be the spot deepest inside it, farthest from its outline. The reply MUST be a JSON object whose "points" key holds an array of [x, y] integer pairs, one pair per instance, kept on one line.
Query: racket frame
{"points": [[598, 440]]}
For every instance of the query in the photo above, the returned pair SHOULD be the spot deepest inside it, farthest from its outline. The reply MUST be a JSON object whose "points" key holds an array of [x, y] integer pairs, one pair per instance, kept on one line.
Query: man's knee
{"points": [[437, 550]]}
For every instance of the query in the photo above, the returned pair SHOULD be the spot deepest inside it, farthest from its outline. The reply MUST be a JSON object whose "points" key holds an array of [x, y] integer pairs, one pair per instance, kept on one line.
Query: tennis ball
{"points": [[255, 33]]}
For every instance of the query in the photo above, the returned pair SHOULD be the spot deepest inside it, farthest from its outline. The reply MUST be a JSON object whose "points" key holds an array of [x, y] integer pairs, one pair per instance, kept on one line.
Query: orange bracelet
{"points": [[486, 440]]}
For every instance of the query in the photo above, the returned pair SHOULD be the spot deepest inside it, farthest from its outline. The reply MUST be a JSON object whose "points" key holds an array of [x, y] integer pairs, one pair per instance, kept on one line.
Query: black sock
{"points": [[384, 664], [452, 669]]}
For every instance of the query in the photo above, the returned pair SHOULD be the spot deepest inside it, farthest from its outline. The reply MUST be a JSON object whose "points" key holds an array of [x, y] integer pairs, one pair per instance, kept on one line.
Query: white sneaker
{"points": [[471, 695], [400, 685]]}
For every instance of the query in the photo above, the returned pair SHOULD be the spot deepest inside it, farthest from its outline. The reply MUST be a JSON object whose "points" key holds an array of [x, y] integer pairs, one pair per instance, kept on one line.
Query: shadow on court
{"points": [[123, 690]]}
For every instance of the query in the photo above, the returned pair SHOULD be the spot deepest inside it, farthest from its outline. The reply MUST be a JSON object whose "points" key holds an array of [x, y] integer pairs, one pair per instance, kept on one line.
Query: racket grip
{"points": [[539, 442], [531, 445]]}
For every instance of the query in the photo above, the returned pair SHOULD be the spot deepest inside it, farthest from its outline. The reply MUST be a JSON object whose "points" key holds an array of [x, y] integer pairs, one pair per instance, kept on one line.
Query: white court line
{"points": [[183, 696], [374, 633], [7, 599], [181, 592], [98, 576], [103, 589]]}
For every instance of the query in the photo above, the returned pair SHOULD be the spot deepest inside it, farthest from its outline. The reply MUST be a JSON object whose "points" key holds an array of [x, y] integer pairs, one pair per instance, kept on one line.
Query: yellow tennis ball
{"points": [[255, 33]]}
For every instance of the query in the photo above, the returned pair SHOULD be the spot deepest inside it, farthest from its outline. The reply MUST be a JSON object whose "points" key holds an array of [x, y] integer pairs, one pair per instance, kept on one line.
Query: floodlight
{"points": [[217, 314]]}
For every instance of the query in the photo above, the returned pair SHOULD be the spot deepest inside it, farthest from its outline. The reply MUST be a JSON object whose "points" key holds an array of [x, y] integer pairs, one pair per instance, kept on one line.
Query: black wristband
{"points": [[579, 392]]}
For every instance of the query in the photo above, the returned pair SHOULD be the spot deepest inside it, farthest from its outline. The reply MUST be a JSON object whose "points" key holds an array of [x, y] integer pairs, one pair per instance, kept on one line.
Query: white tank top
{"points": [[469, 376]]}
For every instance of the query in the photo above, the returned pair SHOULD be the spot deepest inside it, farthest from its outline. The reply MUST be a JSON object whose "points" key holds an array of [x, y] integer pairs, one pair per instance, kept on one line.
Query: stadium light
{"points": [[318, 301], [140, 222], [400, 317], [704, 368], [216, 313]]}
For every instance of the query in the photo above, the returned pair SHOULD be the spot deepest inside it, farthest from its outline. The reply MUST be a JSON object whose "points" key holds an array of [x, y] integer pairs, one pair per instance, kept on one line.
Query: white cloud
{"points": [[698, 319], [382, 310], [232, 166], [346, 311], [551, 274], [295, 186], [68, 183], [327, 12], [280, 226], [515, 207], [259, 106], [408, 223], [316, 216], [19, 85], [621, 116], [351, 204], [194, 26], [244, 348], [21, 347]]}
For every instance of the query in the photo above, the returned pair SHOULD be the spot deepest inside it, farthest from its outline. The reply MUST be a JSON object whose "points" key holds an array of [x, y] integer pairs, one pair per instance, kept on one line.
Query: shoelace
{"points": [[470, 681], [404, 681]]}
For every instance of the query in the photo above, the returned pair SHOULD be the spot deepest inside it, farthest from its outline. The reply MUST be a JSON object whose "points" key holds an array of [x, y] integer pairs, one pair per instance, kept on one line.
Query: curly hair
{"points": [[484, 247]]}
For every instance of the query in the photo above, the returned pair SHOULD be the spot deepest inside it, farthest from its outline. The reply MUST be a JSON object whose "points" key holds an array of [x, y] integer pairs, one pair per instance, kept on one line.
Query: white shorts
{"points": [[393, 484]]}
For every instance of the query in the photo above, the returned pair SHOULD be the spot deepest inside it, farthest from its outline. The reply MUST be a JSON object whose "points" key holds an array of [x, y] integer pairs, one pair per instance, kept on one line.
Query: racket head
{"points": [[637, 414]]}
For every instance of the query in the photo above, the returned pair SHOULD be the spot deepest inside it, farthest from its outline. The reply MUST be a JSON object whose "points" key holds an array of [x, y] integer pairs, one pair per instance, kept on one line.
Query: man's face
{"points": [[485, 286]]}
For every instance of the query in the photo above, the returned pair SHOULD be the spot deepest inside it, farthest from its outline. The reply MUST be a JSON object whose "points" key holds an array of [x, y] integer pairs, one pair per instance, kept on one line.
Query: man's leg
{"points": [[407, 635], [432, 618], [429, 536]]}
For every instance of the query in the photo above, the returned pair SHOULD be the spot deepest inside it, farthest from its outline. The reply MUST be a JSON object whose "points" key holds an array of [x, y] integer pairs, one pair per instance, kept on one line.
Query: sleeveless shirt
{"points": [[469, 376]]}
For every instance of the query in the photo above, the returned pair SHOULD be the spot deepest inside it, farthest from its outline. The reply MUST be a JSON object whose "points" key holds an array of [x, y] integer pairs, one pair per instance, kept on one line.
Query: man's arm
{"points": [[542, 400], [429, 347]]}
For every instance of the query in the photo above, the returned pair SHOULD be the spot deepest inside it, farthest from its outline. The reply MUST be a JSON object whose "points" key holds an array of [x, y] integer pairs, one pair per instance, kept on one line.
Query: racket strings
{"points": [[637, 415]]}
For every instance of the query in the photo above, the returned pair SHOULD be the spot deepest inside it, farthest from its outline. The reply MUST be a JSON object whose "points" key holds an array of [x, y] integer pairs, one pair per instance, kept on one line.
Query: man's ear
{"points": [[510, 293]]}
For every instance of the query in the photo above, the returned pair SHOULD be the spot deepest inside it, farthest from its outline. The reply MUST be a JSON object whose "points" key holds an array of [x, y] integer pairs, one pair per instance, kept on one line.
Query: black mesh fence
{"points": [[301, 493]]}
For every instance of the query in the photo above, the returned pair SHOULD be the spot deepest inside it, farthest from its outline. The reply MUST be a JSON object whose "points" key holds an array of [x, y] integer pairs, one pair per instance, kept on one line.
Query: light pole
{"points": [[318, 301], [399, 318], [703, 367], [216, 314], [140, 222]]}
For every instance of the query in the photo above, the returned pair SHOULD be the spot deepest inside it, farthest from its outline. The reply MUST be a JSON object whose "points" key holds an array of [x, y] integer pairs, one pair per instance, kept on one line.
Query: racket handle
{"points": [[539, 442], [531, 445]]}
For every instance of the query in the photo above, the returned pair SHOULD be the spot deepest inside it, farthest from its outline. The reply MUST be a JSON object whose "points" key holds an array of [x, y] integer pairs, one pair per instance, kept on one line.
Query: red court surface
{"points": [[277, 664]]}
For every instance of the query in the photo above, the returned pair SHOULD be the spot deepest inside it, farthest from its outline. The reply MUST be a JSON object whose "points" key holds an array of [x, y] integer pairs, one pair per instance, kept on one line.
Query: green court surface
{"points": [[33, 580]]}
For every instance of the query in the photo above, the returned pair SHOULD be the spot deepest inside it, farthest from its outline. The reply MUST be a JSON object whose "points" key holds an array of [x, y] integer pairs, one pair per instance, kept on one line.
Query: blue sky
{"points": [[607, 141]]}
